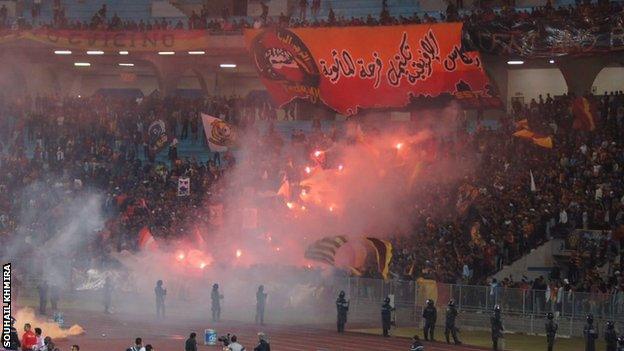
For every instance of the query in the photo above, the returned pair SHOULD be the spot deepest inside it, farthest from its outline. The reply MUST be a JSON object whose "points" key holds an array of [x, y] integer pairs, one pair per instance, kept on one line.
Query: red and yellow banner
{"points": [[585, 112], [366, 67], [153, 40]]}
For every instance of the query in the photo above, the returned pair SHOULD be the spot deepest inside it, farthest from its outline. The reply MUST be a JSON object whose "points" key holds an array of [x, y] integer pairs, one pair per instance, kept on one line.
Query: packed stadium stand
{"points": [[464, 150]]}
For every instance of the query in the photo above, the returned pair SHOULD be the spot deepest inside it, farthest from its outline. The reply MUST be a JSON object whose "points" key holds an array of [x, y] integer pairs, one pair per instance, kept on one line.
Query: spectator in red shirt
{"points": [[29, 339]]}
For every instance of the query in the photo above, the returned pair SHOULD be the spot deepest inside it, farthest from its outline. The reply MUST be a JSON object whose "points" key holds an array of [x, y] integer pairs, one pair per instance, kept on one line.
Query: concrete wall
{"points": [[231, 84], [275, 7], [537, 262], [532, 82], [609, 79], [87, 84]]}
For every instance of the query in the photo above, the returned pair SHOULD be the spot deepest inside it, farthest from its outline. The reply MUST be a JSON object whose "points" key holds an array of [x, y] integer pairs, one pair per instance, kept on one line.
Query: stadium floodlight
{"points": [[515, 62], [166, 53], [62, 52], [123, 52], [95, 52], [82, 64], [126, 64], [227, 65], [551, 61], [197, 52]]}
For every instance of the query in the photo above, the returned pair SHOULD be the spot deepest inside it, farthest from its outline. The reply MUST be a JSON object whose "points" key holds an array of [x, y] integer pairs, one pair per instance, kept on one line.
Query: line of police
{"points": [[430, 314], [215, 296]]}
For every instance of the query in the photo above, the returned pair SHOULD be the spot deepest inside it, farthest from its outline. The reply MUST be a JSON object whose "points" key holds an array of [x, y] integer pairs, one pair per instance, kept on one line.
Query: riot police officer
{"points": [[386, 316], [160, 294], [590, 333], [215, 298], [430, 314], [620, 343], [342, 307], [610, 337], [497, 327], [449, 325], [551, 330], [261, 297], [108, 292]]}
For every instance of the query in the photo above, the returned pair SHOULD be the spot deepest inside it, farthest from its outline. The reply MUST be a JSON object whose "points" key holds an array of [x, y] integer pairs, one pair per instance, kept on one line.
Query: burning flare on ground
{"points": [[51, 329]]}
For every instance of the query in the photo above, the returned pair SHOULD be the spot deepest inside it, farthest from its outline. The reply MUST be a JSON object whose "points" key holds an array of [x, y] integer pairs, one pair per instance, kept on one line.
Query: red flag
{"points": [[146, 239], [585, 113], [284, 189], [199, 238]]}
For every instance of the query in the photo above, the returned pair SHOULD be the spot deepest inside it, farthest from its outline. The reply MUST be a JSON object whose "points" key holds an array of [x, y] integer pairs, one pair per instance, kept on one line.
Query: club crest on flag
{"points": [[218, 133], [157, 135]]}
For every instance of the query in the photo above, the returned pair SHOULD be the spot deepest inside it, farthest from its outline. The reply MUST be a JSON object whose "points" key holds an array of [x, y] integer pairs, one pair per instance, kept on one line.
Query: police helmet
{"points": [[387, 300], [621, 340], [590, 318], [497, 309], [451, 303], [610, 325], [341, 294], [429, 302], [215, 286], [550, 315]]}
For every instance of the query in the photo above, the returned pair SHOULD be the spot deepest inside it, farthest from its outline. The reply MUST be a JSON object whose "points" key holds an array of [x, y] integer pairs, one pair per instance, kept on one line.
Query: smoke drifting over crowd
{"points": [[278, 200], [58, 219], [258, 219]]}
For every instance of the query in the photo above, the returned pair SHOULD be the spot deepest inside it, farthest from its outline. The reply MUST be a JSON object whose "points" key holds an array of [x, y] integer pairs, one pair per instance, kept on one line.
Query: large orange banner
{"points": [[350, 68], [153, 40]]}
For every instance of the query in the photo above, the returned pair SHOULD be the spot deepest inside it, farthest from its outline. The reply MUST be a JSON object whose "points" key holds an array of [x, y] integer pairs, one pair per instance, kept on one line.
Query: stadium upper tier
{"points": [[40, 13]]}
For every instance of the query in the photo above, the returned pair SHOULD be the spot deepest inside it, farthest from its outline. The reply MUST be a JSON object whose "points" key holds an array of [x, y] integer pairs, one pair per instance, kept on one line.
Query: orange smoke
{"points": [[51, 329]]}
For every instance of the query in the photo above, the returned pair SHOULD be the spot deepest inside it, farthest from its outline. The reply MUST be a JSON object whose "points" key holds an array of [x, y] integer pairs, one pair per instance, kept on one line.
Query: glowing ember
{"points": [[304, 192], [290, 205], [203, 265], [277, 249], [180, 256], [340, 167], [239, 253], [317, 153], [399, 146], [308, 170], [332, 208], [303, 208]]}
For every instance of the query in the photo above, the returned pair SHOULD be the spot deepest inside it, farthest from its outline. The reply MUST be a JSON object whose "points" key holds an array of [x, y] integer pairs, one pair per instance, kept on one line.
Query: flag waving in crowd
{"points": [[585, 113], [157, 136], [525, 132], [324, 250], [219, 134], [383, 250], [146, 239]]}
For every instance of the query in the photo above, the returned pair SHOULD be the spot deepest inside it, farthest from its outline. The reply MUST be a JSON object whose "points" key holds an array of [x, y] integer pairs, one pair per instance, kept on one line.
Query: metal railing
{"points": [[525, 309]]}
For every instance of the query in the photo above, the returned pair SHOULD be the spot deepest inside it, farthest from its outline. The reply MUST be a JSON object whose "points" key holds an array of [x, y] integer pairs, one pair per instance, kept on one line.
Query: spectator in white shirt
{"points": [[40, 344], [234, 345]]}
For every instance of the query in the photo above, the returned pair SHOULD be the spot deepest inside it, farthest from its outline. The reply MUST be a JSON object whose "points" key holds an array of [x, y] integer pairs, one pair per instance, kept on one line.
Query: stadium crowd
{"points": [[307, 14], [100, 143]]}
